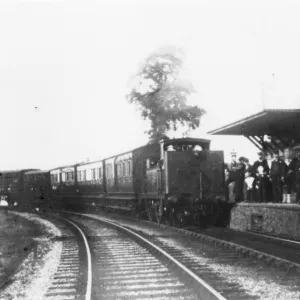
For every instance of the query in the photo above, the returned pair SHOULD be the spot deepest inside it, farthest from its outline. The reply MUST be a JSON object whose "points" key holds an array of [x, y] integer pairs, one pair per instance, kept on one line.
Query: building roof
{"points": [[271, 122]]}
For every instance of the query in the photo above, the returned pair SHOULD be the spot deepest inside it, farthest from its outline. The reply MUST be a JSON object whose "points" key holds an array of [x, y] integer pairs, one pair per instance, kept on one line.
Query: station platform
{"points": [[275, 219]]}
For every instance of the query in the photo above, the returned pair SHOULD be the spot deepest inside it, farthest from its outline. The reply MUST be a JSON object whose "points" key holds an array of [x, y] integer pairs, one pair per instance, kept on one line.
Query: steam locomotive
{"points": [[175, 180]]}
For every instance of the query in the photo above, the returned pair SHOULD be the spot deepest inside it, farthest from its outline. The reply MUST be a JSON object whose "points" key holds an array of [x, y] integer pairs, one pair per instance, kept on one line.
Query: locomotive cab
{"points": [[188, 180]]}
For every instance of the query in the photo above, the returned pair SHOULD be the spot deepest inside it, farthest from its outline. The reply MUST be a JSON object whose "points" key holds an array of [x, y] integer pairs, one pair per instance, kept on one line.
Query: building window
{"points": [[84, 175], [100, 172], [79, 175]]}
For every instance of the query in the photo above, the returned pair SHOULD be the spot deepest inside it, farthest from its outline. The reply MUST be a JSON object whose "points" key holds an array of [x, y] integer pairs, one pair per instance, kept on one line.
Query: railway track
{"points": [[73, 278], [270, 250], [128, 266], [230, 272]]}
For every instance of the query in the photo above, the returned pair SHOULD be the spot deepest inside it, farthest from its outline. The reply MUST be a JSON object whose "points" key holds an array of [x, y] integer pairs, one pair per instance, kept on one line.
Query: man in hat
{"points": [[239, 179], [277, 177], [231, 174], [260, 172]]}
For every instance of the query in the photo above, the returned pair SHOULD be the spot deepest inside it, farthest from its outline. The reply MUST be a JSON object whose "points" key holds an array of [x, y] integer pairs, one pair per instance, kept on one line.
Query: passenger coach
{"points": [[12, 188]]}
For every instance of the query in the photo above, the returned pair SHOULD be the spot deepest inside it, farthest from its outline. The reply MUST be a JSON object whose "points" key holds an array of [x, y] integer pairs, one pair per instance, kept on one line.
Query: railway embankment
{"points": [[29, 254], [16, 242]]}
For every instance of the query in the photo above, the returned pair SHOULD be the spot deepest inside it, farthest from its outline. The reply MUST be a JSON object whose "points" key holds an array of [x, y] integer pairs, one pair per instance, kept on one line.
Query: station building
{"points": [[269, 130]]}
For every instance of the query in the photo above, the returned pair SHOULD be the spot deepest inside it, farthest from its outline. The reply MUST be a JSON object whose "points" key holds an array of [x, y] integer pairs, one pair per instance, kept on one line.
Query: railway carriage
{"points": [[37, 190], [90, 184], [12, 188], [126, 178], [63, 184]]}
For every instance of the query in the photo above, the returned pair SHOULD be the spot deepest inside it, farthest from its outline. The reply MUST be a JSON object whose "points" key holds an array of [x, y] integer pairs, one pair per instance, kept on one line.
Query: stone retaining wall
{"points": [[281, 220]]}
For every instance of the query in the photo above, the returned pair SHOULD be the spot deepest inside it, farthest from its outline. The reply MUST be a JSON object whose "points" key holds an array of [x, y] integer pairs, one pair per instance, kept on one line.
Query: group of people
{"points": [[260, 182]]}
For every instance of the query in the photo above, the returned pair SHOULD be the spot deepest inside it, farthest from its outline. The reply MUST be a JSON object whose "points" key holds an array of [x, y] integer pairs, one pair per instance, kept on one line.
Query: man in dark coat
{"points": [[260, 171], [277, 177], [239, 180]]}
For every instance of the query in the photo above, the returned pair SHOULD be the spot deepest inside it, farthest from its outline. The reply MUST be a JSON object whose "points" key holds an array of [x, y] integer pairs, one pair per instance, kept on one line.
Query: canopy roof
{"points": [[272, 122]]}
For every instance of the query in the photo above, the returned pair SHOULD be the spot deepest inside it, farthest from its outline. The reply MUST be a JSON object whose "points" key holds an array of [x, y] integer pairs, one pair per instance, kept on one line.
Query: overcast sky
{"points": [[65, 66]]}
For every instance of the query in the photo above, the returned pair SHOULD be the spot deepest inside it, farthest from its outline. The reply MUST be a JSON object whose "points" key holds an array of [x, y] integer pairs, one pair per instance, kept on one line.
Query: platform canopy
{"points": [[281, 125]]}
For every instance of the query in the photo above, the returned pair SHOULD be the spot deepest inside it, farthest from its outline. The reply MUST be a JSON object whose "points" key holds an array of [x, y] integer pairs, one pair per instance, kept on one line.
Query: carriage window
{"points": [[69, 176], [53, 178], [121, 169], [129, 167], [124, 173], [148, 164], [151, 163], [109, 171], [93, 174], [184, 147]]}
